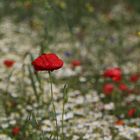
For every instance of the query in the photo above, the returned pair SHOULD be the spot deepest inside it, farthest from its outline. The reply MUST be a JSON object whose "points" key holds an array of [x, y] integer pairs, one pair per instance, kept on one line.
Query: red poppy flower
{"points": [[8, 63], [108, 88], [75, 63], [47, 62], [123, 87], [134, 78], [15, 131], [114, 73], [131, 112]]}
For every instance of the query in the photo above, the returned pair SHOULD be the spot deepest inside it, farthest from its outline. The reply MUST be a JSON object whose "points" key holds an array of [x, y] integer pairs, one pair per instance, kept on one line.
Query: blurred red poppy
{"points": [[123, 87], [75, 63], [108, 88], [134, 78], [15, 131], [131, 112], [114, 73], [47, 62], [8, 63]]}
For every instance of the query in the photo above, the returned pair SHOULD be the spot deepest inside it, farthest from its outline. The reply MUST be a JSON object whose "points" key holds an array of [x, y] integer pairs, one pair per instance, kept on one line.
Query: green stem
{"points": [[65, 100], [7, 94], [33, 84], [63, 112], [52, 101]]}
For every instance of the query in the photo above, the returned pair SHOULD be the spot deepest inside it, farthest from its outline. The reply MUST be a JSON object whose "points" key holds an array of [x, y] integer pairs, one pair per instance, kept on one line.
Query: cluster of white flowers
{"points": [[4, 137]]}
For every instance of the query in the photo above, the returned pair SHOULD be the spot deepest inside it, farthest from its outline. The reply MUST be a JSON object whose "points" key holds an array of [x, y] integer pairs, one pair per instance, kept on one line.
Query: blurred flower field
{"points": [[70, 70]]}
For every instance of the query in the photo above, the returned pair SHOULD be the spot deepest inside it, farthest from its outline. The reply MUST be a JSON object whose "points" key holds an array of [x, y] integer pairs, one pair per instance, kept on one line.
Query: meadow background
{"points": [[96, 92]]}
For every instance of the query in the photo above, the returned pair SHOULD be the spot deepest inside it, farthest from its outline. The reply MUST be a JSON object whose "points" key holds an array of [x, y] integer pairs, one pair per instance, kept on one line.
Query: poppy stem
{"points": [[63, 120], [65, 99], [52, 101]]}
